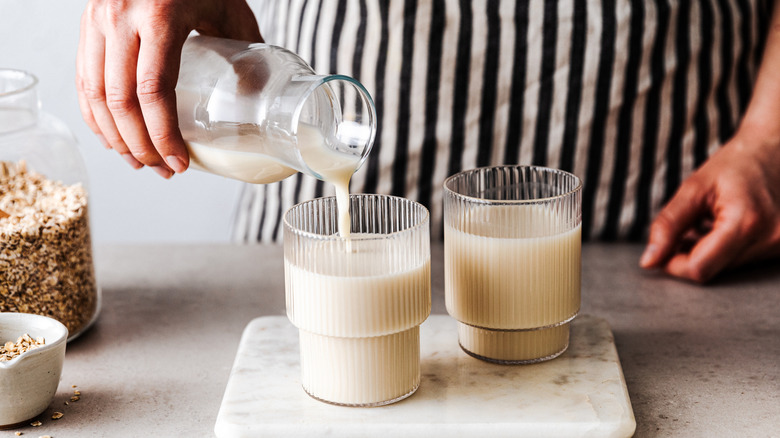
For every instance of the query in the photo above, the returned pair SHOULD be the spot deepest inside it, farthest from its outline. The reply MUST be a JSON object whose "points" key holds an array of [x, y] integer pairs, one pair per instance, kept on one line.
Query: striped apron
{"points": [[629, 95]]}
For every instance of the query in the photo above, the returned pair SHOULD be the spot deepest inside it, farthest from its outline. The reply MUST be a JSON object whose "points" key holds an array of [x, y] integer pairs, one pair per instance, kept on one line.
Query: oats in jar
{"points": [[46, 263]]}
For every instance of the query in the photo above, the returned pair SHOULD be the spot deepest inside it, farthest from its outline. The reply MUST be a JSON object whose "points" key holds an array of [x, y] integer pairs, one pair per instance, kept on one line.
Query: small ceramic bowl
{"points": [[28, 382]]}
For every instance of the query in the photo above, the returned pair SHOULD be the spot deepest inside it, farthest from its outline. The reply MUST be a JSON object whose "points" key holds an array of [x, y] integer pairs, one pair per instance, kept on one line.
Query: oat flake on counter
{"points": [[45, 248]]}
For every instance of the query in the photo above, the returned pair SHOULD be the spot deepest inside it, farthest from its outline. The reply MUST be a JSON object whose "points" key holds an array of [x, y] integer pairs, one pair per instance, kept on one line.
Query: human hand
{"points": [[725, 214], [128, 64]]}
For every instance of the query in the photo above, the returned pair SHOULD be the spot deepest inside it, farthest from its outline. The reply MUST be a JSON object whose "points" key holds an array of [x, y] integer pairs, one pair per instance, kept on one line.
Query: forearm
{"points": [[763, 113]]}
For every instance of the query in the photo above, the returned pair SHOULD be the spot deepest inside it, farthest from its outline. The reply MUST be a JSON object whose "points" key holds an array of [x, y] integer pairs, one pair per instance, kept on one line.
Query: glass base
{"points": [[91, 322], [371, 371], [511, 347], [364, 405]]}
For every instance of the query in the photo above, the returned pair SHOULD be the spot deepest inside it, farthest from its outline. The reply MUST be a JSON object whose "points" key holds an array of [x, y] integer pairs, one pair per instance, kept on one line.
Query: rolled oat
{"points": [[46, 263], [23, 344]]}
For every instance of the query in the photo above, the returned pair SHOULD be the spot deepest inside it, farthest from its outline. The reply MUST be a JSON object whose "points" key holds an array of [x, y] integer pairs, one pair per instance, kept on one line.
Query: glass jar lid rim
{"points": [[14, 74]]}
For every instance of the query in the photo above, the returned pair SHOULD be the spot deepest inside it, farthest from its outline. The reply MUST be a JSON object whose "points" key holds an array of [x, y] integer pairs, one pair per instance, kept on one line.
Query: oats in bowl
{"points": [[23, 344], [29, 380]]}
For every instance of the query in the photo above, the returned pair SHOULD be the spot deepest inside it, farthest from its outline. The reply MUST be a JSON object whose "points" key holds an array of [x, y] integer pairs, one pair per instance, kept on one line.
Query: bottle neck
{"points": [[19, 104], [341, 109]]}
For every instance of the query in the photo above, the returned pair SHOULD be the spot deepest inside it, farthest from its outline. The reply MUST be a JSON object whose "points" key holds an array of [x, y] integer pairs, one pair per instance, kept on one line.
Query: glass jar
{"points": [[46, 264], [259, 113]]}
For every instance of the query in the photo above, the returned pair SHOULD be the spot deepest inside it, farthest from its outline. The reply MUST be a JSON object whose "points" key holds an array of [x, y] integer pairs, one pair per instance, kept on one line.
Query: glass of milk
{"points": [[512, 244], [358, 302]]}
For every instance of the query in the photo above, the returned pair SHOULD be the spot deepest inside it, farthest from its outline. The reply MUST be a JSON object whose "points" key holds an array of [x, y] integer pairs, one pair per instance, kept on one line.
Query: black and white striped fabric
{"points": [[630, 95]]}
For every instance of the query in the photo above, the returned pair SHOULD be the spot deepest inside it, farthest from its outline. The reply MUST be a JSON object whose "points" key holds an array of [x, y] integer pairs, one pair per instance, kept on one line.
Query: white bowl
{"points": [[28, 382]]}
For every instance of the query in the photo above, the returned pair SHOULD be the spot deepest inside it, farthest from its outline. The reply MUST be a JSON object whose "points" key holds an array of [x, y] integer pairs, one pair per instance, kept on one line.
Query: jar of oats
{"points": [[46, 264]]}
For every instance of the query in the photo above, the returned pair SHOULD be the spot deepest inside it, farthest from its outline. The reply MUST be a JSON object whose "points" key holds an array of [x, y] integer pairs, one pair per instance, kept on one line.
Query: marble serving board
{"points": [[581, 393]]}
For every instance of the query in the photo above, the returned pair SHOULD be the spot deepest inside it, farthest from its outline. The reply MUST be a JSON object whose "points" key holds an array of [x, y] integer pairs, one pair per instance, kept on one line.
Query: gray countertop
{"points": [[698, 360]]}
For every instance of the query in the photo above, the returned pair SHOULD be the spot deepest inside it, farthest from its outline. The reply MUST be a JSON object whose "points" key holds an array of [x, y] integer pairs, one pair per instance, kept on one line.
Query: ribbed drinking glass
{"points": [[512, 244], [358, 302]]}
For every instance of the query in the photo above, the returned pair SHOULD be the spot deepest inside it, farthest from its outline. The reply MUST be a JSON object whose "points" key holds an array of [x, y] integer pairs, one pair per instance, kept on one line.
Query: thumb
{"points": [[241, 23], [667, 229], [230, 19]]}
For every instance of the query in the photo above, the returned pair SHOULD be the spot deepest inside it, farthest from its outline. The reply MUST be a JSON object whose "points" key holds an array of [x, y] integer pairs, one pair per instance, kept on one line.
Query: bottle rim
{"points": [[318, 81]]}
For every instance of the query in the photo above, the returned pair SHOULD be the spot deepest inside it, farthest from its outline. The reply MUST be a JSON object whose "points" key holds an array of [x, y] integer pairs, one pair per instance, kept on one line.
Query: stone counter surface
{"points": [[698, 360]]}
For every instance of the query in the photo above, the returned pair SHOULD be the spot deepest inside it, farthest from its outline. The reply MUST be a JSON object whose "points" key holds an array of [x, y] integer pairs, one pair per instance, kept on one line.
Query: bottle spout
{"points": [[342, 112]]}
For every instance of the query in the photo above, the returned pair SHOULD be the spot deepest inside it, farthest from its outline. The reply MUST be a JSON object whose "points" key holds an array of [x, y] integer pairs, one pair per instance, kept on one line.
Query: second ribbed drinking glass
{"points": [[512, 244], [358, 302]]}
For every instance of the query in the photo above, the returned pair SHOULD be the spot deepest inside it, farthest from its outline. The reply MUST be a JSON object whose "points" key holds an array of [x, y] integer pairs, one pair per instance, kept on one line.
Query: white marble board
{"points": [[581, 393]]}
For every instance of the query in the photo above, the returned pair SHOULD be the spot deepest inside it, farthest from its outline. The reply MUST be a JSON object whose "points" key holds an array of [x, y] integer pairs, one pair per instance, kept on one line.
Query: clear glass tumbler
{"points": [[358, 302], [512, 244]]}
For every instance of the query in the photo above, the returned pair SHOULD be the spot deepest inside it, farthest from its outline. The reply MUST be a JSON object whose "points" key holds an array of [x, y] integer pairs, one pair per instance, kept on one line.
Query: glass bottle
{"points": [[46, 264], [258, 113]]}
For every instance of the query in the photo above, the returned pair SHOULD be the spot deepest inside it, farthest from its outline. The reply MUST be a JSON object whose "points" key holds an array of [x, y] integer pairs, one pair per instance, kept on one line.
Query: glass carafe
{"points": [[258, 113], [46, 264]]}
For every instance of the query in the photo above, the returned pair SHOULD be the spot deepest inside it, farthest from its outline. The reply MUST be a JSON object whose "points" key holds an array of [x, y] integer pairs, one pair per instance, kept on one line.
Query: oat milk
{"points": [[359, 324], [506, 279]]}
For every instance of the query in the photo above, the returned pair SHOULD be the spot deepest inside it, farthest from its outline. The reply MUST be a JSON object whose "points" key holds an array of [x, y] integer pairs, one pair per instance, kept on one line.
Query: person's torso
{"points": [[629, 95]]}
